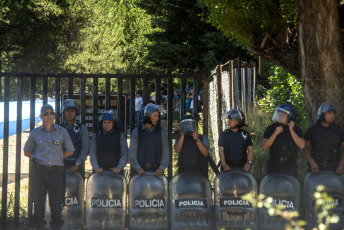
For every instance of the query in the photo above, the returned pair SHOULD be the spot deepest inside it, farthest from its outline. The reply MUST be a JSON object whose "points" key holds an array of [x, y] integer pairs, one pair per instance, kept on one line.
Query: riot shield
{"points": [[73, 207], [285, 191], [190, 202], [231, 211], [106, 201], [148, 198], [334, 187]]}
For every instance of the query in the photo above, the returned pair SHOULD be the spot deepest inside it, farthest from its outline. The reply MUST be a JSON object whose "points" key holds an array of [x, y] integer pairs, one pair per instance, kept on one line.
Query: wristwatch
{"points": [[198, 140], [250, 162]]}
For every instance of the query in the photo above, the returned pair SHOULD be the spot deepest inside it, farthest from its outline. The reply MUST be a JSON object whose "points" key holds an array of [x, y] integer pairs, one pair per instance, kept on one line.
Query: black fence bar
{"points": [[119, 103], [157, 91], [95, 104], [45, 91], [170, 123], [82, 100], [57, 100], [182, 96], [70, 87], [132, 105], [32, 126], [107, 93], [195, 99], [5, 152], [18, 151], [145, 91]]}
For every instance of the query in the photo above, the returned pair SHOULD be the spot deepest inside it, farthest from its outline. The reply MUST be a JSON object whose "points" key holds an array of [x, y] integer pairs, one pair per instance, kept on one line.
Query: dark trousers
{"points": [[50, 182], [288, 167]]}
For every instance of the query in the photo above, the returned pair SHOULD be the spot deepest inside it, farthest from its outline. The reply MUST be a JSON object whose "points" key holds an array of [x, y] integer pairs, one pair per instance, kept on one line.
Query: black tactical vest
{"points": [[284, 146], [239, 158], [190, 158], [149, 147], [75, 137], [326, 145], [108, 149]]}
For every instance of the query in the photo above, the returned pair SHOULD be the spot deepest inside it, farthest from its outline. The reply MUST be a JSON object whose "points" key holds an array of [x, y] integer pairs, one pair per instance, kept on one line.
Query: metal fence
{"points": [[234, 87], [55, 79]]}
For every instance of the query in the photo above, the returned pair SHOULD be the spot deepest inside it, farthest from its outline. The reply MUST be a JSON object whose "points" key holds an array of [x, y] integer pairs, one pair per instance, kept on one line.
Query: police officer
{"points": [[108, 148], [191, 147], [78, 134], [149, 144], [283, 138], [235, 144], [47, 146], [327, 142]]}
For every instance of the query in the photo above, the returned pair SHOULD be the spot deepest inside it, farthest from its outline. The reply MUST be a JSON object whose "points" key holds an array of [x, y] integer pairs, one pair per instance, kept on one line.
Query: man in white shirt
{"points": [[138, 107]]}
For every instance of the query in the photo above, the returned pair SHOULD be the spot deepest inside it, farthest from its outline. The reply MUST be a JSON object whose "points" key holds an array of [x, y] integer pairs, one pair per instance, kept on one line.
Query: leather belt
{"points": [[48, 168]]}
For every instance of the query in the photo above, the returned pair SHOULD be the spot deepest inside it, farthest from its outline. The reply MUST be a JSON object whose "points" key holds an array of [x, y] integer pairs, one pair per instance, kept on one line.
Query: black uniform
{"points": [[190, 158], [235, 147], [325, 145], [283, 152]]}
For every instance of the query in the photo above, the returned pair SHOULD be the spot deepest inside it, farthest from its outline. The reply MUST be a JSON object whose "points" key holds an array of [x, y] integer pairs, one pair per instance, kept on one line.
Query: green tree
{"points": [[35, 34], [113, 38], [302, 36], [185, 43]]}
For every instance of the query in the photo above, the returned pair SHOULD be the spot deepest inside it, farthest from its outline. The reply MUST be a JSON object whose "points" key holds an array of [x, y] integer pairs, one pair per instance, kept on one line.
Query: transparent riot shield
{"points": [[231, 211], [334, 187], [73, 207], [190, 202], [106, 201], [148, 198], [285, 192]]}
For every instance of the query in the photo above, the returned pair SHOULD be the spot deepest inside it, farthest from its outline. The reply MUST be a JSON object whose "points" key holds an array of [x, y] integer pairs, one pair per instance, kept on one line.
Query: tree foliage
{"points": [[266, 28], [36, 33], [185, 42], [113, 39]]}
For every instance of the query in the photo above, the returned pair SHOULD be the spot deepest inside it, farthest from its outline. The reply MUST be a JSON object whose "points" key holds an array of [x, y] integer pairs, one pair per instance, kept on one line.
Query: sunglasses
{"points": [[47, 114]]}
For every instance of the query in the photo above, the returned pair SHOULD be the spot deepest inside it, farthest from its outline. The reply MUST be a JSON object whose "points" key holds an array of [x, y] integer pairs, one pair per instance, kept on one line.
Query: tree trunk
{"points": [[320, 55]]}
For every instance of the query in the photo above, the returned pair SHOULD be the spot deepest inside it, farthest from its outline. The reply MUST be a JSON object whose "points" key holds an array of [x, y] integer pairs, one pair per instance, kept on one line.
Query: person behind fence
{"points": [[149, 149], [283, 139], [47, 146], [79, 135], [326, 139], [192, 148], [235, 144], [108, 147], [138, 107]]}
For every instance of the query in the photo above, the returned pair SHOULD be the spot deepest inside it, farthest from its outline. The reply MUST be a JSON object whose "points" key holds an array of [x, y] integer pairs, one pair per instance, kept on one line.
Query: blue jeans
{"points": [[138, 118]]}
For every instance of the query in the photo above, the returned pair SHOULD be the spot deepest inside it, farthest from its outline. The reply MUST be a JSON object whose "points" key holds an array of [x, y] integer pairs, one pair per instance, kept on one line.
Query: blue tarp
{"points": [[25, 115]]}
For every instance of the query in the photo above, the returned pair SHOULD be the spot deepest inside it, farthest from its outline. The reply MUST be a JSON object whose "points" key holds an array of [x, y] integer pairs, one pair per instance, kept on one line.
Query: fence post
{"points": [[219, 97], [157, 91], [32, 126], [5, 152], [132, 104], [70, 87], [107, 94], [195, 99], [82, 100], [182, 96], [145, 91], [95, 104], [18, 152], [119, 103], [45, 90], [169, 124]]}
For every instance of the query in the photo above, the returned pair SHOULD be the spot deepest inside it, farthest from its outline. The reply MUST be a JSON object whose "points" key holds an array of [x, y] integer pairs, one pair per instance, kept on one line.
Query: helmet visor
{"points": [[232, 114], [281, 116], [188, 126]]}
